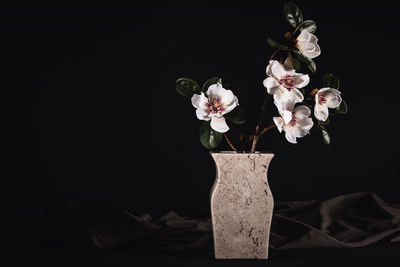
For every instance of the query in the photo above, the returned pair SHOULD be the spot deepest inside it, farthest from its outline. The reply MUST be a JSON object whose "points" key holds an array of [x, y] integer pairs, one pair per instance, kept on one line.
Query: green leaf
{"points": [[209, 82], [315, 128], [342, 109], [237, 115], [312, 66], [209, 138], [276, 45], [301, 57], [330, 80], [325, 135], [325, 122], [292, 14], [308, 25], [187, 87], [294, 61]]}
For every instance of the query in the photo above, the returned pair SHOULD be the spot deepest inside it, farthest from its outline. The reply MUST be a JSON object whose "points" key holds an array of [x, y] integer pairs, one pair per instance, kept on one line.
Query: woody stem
{"points": [[255, 140], [229, 143], [274, 54], [267, 129]]}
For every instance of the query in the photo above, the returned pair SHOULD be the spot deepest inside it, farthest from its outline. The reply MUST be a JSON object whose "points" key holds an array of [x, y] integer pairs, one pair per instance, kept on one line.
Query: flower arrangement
{"points": [[216, 105]]}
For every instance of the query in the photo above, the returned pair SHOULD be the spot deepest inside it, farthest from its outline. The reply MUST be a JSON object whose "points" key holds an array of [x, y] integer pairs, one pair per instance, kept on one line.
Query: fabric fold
{"points": [[346, 221]]}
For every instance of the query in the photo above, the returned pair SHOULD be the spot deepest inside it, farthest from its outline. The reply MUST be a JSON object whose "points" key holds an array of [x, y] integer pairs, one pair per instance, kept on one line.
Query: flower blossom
{"points": [[219, 102], [296, 122], [326, 98], [306, 42], [283, 83]]}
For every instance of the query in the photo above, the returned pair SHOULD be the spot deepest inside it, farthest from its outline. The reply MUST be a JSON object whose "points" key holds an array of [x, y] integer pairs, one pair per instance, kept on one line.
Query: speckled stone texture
{"points": [[241, 205]]}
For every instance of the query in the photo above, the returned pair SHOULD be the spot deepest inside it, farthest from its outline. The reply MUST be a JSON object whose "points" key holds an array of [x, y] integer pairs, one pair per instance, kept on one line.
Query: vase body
{"points": [[241, 205]]}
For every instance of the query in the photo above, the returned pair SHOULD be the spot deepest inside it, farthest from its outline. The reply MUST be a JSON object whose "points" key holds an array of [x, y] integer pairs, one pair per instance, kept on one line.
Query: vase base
{"points": [[241, 258]]}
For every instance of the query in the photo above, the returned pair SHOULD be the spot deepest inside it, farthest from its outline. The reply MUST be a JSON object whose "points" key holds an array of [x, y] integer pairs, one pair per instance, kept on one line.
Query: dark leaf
{"points": [[308, 25], [312, 66], [330, 80], [187, 87], [237, 115], [292, 13], [208, 137], [325, 135], [294, 61], [209, 82], [325, 122], [315, 128], [342, 109], [276, 45], [301, 57]]}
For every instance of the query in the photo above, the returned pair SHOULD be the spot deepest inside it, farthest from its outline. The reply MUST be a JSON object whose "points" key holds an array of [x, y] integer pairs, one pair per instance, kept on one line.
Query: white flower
{"points": [[326, 98], [219, 102], [306, 42], [295, 122], [283, 82]]}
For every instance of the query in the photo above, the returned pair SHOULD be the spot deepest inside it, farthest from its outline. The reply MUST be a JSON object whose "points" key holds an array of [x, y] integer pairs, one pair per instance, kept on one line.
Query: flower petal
{"points": [[304, 36], [213, 90], [301, 80], [332, 96], [280, 98], [288, 105], [202, 114], [199, 101], [321, 112], [287, 116], [313, 39], [296, 96], [291, 138], [308, 49], [317, 51], [302, 112], [279, 123], [271, 84], [234, 103], [277, 70], [226, 96], [288, 64], [305, 126], [219, 124]]}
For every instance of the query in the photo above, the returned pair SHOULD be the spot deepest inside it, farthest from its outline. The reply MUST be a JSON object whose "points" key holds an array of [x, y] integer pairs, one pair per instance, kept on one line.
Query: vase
{"points": [[241, 205]]}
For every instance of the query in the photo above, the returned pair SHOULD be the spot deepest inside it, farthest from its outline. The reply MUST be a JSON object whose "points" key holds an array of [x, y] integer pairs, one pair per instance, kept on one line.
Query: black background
{"points": [[94, 116]]}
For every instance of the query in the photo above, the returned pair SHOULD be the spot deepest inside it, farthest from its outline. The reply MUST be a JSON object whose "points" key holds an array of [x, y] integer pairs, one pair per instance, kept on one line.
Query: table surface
{"points": [[381, 254]]}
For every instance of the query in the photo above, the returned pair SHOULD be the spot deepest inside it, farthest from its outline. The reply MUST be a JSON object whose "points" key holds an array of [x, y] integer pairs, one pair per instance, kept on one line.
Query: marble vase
{"points": [[241, 205]]}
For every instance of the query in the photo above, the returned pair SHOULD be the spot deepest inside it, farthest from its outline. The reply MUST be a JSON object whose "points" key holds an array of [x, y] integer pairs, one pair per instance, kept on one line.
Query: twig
{"points": [[229, 143], [266, 129], [253, 146], [274, 54], [241, 138]]}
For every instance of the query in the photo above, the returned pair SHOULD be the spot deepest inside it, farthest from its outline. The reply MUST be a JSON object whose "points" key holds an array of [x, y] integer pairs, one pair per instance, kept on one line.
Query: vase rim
{"points": [[240, 153]]}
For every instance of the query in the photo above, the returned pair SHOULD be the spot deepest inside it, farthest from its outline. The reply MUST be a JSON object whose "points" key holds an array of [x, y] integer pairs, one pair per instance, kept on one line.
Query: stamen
{"points": [[215, 106], [293, 121], [287, 81], [321, 99]]}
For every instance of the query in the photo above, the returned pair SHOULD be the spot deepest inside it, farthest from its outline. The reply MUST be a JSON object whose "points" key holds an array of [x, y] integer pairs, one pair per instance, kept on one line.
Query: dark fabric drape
{"points": [[346, 221]]}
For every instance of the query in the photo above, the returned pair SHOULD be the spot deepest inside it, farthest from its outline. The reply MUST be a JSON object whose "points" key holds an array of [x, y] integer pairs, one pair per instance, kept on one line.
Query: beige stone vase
{"points": [[241, 205]]}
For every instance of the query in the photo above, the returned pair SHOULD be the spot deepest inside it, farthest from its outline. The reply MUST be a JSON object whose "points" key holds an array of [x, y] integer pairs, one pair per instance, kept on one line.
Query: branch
{"points": [[274, 54], [229, 143], [267, 129], [256, 133], [255, 140]]}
